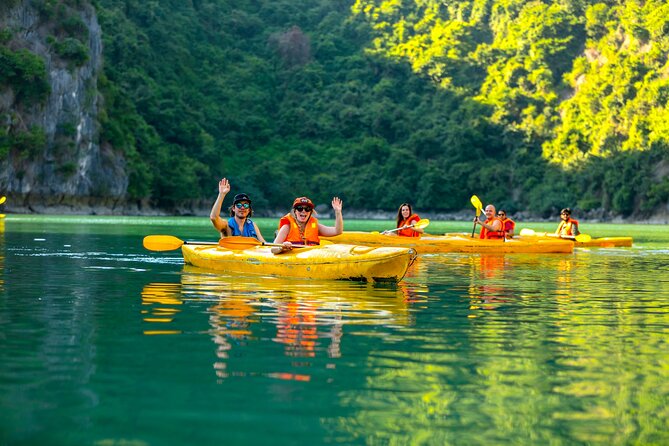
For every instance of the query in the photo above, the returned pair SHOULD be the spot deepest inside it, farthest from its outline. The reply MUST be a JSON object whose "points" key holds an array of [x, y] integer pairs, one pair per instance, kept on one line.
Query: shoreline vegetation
{"points": [[324, 212]]}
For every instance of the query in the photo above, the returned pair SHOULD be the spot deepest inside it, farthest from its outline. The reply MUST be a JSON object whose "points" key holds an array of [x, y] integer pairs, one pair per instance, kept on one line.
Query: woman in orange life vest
{"points": [[300, 226], [240, 222], [405, 218], [568, 227], [492, 227], [508, 225]]}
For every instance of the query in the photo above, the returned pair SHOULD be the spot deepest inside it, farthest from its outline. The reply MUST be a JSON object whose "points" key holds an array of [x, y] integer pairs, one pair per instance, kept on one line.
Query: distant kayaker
{"points": [[301, 227], [492, 227], [240, 222], [406, 218], [508, 225], [568, 227]]}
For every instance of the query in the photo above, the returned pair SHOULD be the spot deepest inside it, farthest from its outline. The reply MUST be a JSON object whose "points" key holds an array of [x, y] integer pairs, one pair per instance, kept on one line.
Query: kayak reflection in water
{"points": [[405, 220], [301, 227], [568, 226], [239, 223]]}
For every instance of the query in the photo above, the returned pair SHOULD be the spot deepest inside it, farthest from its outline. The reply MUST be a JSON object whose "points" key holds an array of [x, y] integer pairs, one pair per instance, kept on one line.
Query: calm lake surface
{"points": [[105, 343]]}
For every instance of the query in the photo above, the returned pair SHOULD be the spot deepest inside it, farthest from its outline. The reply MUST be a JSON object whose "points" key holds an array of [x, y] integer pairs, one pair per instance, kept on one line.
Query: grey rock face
{"points": [[73, 169]]}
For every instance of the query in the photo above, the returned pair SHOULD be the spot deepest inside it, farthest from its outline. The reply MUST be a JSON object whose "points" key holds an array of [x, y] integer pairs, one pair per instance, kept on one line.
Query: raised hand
{"points": [[223, 186], [337, 204]]}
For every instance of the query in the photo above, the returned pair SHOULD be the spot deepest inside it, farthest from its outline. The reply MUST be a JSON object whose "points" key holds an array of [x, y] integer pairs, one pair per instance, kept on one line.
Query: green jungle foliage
{"points": [[531, 105]]}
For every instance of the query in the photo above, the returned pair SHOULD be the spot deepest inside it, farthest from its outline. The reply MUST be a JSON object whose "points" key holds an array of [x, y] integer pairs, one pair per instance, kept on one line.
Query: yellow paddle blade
{"points": [[477, 204], [162, 243], [583, 238], [422, 223], [239, 242], [3, 199]]}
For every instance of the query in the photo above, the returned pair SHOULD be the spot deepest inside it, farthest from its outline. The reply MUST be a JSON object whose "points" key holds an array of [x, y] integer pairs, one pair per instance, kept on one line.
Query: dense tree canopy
{"points": [[529, 104]]}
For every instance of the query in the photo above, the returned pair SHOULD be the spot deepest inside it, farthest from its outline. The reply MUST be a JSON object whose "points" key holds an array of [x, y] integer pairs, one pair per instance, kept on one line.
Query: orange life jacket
{"points": [[508, 225], [310, 236], [566, 227], [492, 234], [409, 232]]}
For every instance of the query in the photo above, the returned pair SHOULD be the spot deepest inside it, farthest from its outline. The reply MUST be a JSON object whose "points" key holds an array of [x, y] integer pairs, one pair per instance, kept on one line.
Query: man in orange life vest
{"points": [[300, 226], [568, 227], [492, 227]]}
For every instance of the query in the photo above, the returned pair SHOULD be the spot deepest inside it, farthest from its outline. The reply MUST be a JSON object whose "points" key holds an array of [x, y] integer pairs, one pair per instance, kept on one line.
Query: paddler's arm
{"points": [[260, 237], [282, 234], [329, 231], [418, 230], [220, 224], [495, 226]]}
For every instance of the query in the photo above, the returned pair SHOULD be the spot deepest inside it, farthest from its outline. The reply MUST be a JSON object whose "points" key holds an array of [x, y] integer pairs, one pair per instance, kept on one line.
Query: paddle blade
{"points": [[239, 242], [3, 199], [162, 243], [583, 238], [527, 232], [477, 204], [422, 223]]}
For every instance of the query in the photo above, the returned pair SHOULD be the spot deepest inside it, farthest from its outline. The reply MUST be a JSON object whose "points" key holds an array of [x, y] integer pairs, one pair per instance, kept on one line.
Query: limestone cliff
{"points": [[70, 170]]}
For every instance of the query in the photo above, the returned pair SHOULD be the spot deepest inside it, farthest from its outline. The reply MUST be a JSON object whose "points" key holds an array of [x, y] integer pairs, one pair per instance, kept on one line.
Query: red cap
{"points": [[304, 201]]}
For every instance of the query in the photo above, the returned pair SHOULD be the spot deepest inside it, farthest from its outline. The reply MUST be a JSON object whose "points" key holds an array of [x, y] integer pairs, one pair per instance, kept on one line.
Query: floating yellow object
{"points": [[456, 243], [347, 262]]}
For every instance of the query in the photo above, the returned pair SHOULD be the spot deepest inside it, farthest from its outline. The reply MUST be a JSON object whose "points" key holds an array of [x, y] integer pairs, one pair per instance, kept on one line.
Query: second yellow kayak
{"points": [[456, 243]]}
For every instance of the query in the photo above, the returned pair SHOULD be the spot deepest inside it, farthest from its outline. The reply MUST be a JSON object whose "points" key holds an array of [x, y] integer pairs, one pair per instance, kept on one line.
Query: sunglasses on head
{"points": [[302, 208], [243, 205]]}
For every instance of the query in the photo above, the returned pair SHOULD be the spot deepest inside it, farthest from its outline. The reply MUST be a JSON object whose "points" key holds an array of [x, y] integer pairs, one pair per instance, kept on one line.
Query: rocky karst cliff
{"points": [[68, 169]]}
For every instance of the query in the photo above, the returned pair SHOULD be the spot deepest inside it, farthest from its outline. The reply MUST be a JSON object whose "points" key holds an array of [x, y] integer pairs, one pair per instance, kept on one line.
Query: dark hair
{"points": [[400, 218], [566, 211]]}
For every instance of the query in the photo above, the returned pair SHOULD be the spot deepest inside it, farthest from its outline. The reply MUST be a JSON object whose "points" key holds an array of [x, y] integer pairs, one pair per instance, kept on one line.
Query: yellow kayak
{"points": [[588, 242], [456, 243], [347, 262], [606, 242]]}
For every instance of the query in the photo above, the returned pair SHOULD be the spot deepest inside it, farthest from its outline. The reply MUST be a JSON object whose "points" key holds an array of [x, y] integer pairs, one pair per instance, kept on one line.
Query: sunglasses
{"points": [[501, 215], [302, 208], [243, 205]]}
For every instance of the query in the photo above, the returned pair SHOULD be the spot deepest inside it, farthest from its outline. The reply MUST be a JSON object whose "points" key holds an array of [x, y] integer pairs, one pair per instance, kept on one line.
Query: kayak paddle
{"points": [[478, 206], [170, 243], [3, 199], [581, 238], [420, 224], [239, 242]]}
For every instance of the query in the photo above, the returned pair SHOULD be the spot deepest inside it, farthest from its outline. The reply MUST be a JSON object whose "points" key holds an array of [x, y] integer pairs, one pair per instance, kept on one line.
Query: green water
{"points": [[105, 343]]}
